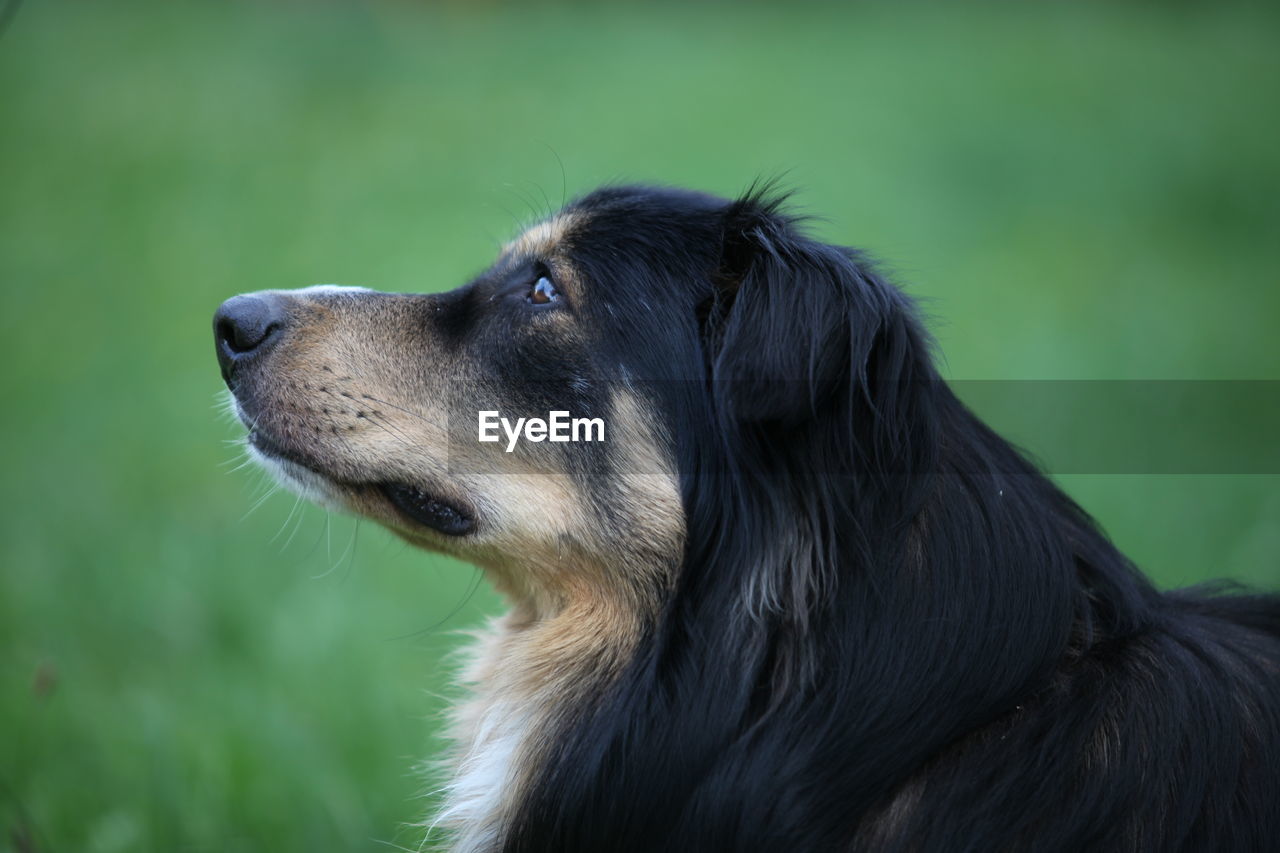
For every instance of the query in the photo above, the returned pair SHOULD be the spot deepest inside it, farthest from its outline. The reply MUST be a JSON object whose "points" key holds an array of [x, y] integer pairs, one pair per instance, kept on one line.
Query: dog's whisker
{"points": [[355, 541], [527, 200], [271, 490], [239, 464], [350, 548], [471, 590], [315, 546], [432, 421], [546, 209], [297, 525], [391, 431], [395, 846], [297, 502]]}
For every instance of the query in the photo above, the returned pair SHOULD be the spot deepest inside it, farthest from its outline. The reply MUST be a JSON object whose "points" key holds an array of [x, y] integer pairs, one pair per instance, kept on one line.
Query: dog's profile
{"points": [[798, 599]]}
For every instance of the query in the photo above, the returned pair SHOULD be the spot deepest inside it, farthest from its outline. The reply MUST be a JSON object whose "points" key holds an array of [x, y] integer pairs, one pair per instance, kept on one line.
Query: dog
{"points": [[796, 597]]}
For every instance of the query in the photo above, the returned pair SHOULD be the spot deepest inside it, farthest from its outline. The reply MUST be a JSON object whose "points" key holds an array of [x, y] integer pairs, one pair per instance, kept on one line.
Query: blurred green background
{"points": [[1078, 191]]}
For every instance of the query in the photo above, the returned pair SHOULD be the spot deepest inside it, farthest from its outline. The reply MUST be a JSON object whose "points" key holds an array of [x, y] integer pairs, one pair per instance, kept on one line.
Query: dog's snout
{"points": [[245, 326]]}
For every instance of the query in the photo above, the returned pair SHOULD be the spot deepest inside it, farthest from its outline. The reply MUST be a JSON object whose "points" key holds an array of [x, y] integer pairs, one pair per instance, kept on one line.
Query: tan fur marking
{"points": [[551, 652], [348, 391], [541, 239]]}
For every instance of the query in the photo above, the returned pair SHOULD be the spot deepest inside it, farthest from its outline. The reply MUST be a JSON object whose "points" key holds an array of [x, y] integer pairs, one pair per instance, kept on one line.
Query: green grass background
{"points": [[1078, 190]]}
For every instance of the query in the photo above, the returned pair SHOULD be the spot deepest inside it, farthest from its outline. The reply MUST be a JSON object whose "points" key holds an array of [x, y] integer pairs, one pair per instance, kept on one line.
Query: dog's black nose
{"points": [[245, 326]]}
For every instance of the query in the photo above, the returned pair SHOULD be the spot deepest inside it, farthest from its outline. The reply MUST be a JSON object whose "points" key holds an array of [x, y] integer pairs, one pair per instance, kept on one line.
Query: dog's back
{"points": [[1165, 739]]}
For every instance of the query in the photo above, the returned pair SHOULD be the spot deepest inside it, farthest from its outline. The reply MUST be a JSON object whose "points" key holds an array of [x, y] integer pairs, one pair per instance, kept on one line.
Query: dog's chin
{"points": [[399, 505], [299, 478]]}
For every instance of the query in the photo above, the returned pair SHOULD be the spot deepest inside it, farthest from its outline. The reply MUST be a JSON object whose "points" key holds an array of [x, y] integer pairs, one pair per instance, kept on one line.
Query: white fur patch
{"points": [[489, 729], [479, 798], [326, 289]]}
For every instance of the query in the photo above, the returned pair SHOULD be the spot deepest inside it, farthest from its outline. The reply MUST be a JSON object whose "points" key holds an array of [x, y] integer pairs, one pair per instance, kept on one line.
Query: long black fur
{"points": [[890, 631]]}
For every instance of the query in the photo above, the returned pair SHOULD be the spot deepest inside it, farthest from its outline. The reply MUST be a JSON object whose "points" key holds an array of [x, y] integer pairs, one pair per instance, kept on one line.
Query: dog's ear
{"points": [[796, 326]]}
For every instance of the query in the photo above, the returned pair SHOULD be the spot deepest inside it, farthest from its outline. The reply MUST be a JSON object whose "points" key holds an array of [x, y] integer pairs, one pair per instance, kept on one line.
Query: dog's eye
{"points": [[543, 291]]}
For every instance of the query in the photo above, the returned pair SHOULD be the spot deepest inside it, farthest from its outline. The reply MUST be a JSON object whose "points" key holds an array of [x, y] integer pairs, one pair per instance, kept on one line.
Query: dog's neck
{"points": [[568, 634], [909, 640]]}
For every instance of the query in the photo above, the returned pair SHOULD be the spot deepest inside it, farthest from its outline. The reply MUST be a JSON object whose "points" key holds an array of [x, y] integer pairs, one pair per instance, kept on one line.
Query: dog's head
{"points": [[695, 341]]}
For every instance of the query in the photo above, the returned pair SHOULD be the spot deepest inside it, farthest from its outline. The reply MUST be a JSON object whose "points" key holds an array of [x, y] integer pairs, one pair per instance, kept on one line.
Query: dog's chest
{"points": [[493, 734], [526, 678]]}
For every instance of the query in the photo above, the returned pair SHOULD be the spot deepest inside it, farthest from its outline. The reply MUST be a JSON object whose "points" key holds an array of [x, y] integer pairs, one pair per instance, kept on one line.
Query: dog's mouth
{"points": [[429, 510], [412, 503]]}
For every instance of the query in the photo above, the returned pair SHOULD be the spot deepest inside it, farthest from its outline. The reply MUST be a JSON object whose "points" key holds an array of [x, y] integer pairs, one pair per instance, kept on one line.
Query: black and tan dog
{"points": [[798, 598]]}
